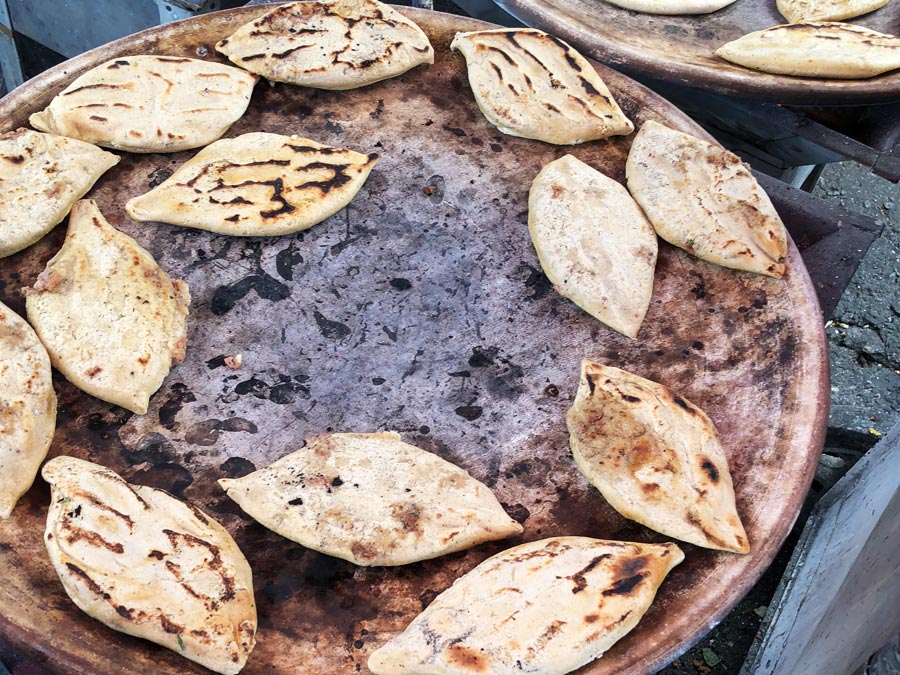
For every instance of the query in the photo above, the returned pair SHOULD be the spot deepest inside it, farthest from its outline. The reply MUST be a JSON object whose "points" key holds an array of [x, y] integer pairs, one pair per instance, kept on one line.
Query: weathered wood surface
{"points": [[840, 600]]}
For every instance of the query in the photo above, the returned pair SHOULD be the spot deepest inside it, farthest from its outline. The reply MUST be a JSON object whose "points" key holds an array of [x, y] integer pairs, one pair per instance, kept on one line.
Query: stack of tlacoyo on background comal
{"points": [[113, 323]]}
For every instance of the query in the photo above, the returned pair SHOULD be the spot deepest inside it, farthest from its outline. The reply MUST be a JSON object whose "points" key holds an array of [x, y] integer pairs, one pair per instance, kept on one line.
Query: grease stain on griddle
{"points": [[237, 467], [171, 477], [204, 433], [699, 290], [158, 176], [152, 448], [469, 412], [105, 427], [518, 512], [267, 287], [179, 394], [285, 389], [531, 472], [400, 284], [330, 329], [536, 281], [285, 261], [482, 357]]}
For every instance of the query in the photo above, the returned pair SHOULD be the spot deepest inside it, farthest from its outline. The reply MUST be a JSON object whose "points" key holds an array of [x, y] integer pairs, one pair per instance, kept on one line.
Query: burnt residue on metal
{"points": [[237, 467], [179, 394], [169, 476], [159, 175]]}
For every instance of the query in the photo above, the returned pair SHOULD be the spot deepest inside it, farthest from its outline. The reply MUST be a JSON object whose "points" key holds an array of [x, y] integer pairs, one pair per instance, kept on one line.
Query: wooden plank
{"points": [[838, 604]]}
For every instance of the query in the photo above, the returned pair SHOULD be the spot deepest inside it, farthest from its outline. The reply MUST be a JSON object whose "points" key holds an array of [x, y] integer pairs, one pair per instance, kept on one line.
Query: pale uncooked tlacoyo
{"points": [[149, 104], [802, 11], [41, 177], [672, 7], [594, 243], [27, 407], [112, 321], [825, 49], [371, 499]]}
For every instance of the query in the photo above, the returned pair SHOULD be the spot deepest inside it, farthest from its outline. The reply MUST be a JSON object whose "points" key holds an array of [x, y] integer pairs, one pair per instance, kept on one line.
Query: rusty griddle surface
{"points": [[680, 49], [427, 314]]}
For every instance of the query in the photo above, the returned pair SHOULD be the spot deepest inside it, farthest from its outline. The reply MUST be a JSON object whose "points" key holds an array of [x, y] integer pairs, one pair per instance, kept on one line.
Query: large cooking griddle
{"points": [[680, 49], [423, 311]]}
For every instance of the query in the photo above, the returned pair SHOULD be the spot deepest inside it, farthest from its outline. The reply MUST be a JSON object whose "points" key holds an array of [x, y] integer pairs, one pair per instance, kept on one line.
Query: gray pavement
{"points": [[864, 331]]}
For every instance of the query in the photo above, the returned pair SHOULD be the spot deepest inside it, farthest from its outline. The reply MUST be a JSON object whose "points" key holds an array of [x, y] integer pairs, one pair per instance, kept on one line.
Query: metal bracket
{"points": [[174, 10]]}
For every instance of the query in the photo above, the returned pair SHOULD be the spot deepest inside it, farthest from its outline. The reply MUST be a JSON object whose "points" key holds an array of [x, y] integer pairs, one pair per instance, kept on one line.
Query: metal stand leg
{"points": [[10, 66], [424, 4]]}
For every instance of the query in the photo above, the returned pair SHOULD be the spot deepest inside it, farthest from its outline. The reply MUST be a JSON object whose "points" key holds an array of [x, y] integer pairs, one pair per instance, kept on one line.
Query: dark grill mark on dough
{"points": [[100, 505], [277, 186], [124, 612], [253, 57], [233, 219], [263, 162], [14, 159], [631, 399], [580, 583], [512, 38], [90, 583], [590, 89], [710, 469], [468, 659], [364, 551], [296, 502], [97, 118], [94, 86], [408, 515], [684, 404], [288, 52], [584, 104], [572, 62], [339, 179], [713, 539], [168, 625], [499, 51], [93, 539], [307, 149], [172, 59], [624, 586], [117, 64], [592, 386], [497, 71]]}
